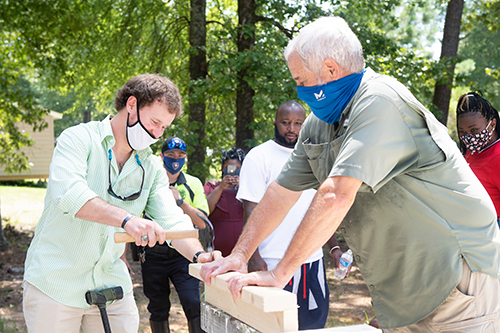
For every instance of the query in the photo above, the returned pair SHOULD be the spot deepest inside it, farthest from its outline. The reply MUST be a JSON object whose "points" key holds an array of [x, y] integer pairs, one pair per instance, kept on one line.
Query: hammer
{"points": [[123, 237], [100, 298], [210, 228]]}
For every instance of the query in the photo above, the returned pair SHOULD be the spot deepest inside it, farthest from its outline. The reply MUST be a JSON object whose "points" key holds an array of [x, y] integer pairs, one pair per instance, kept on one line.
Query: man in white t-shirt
{"points": [[261, 167]]}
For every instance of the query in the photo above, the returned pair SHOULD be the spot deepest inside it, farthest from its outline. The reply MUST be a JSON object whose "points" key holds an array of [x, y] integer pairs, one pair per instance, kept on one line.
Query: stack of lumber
{"points": [[260, 309]]}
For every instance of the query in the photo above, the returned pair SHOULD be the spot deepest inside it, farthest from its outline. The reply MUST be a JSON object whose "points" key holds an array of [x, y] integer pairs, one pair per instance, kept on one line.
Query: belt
{"points": [[163, 249]]}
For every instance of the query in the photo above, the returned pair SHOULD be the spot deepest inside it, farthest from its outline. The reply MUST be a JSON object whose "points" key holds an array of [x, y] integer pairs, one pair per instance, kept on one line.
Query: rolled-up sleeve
{"points": [[68, 172]]}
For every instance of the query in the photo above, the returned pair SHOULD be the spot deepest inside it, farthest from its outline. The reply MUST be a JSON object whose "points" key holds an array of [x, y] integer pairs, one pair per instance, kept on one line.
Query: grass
{"points": [[22, 206], [6, 326]]}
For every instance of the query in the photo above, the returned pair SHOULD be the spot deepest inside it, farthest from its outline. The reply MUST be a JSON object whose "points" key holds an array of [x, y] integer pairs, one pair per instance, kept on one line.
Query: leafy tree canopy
{"points": [[86, 50]]}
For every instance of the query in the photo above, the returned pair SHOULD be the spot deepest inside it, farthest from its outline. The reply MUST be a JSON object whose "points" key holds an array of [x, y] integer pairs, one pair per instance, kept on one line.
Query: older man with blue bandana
{"points": [[390, 179]]}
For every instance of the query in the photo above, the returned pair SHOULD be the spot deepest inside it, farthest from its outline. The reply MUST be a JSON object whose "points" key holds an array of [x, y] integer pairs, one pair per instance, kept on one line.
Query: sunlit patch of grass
{"points": [[7, 326], [22, 206]]}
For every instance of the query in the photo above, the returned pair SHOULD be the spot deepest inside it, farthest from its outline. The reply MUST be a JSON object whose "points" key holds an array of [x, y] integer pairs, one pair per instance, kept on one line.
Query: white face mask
{"points": [[138, 136]]}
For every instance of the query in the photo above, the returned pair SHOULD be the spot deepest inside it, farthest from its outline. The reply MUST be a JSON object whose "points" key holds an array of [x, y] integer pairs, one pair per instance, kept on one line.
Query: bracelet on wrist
{"points": [[197, 254], [125, 220], [334, 248]]}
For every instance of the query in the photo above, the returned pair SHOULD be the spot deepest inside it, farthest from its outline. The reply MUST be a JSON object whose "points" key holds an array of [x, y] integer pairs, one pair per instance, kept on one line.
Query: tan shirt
{"points": [[420, 207]]}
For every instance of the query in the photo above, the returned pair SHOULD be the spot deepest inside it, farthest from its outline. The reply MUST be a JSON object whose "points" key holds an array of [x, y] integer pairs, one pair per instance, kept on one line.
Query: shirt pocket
{"points": [[321, 156]]}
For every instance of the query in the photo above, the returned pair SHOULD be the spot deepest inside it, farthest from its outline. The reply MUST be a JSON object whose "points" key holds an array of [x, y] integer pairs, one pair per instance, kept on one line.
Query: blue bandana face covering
{"points": [[327, 101], [173, 165]]}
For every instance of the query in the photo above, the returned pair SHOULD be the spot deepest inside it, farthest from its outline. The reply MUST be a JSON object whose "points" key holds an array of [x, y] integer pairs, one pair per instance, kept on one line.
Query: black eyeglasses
{"points": [[176, 143], [132, 196]]}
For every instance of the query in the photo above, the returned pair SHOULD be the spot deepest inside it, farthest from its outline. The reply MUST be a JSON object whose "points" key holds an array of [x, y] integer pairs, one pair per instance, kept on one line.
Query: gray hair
{"points": [[327, 38]]}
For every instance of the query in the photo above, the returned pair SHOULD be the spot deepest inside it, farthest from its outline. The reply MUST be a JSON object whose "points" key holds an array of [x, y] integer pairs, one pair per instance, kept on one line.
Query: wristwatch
{"points": [[196, 255], [179, 202]]}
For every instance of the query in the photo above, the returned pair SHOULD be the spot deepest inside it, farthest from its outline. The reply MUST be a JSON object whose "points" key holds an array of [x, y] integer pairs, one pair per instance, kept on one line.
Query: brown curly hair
{"points": [[148, 88]]}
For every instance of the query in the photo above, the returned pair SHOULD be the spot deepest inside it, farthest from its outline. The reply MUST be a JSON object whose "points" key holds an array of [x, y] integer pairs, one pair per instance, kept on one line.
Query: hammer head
{"points": [[210, 229], [101, 297]]}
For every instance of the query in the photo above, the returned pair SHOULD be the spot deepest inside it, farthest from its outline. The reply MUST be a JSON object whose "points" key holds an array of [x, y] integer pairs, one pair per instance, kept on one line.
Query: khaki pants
{"points": [[42, 314], [474, 306]]}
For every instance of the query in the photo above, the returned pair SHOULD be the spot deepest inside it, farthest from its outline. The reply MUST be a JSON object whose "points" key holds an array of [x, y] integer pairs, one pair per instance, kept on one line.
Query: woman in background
{"points": [[478, 126], [226, 212]]}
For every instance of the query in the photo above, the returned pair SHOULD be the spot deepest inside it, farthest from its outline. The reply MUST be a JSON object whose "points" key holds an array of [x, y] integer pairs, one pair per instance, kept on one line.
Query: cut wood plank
{"points": [[269, 299], [266, 309], [345, 329], [267, 322]]}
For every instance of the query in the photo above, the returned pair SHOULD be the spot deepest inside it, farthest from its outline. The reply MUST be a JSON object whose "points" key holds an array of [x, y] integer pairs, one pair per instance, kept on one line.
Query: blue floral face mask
{"points": [[327, 101], [173, 165]]}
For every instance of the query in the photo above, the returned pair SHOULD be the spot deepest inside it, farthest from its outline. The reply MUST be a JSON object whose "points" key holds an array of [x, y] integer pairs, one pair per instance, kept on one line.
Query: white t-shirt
{"points": [[260, 168]]}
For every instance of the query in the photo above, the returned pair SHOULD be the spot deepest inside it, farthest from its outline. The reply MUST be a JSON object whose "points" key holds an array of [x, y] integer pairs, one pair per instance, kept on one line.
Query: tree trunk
{"points": [[87, 116], [197, 71], [449, 47], [4, 245], [3, 242], [244, 92]]}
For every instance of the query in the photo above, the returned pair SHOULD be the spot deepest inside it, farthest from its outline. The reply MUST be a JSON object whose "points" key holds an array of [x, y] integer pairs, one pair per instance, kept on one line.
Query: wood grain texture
{"points": [[266, 309]]}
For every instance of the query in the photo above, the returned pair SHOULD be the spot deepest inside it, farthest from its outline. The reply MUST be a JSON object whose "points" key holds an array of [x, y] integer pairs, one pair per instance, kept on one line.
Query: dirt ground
{"points": [[350, 303]]}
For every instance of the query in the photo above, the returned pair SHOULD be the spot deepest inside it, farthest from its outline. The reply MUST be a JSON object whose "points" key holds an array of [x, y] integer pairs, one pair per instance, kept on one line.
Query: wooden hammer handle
{"points": [[123, 237]]}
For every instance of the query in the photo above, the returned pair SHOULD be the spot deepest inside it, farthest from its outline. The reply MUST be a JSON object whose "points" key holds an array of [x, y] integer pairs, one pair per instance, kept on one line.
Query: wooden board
{"points": [[267, 309], [346, 329]]}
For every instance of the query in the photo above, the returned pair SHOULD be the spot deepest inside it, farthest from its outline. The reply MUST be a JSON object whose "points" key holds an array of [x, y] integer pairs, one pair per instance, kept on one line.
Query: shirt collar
{"points": [[181, 180], [108, 139]]}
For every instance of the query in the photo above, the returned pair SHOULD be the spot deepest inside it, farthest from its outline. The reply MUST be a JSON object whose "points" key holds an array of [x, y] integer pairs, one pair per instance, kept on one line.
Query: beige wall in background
{"points": [[40, 154]]}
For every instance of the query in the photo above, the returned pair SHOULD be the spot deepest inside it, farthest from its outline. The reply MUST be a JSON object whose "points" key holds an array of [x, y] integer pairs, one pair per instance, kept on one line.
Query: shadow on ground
{"points": [[350, 302]]}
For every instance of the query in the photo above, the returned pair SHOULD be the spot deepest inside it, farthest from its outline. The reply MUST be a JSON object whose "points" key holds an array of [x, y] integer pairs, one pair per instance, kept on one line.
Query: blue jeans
{"points": [[157, 272]]}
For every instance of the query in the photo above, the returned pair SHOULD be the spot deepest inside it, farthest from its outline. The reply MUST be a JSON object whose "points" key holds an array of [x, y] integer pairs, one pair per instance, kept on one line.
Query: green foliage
{"points": [[485, 12], [17, 104], [480, 47], [25, 183], [85, 50], [389, 32]]}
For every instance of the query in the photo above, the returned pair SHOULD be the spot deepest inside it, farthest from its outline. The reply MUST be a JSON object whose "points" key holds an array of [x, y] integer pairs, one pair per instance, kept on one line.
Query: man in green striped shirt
{"points": [[103, 176]]}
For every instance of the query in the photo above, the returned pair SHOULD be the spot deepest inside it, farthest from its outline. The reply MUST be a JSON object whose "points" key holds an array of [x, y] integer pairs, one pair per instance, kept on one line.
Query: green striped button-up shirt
{"points": [[69, 256]]}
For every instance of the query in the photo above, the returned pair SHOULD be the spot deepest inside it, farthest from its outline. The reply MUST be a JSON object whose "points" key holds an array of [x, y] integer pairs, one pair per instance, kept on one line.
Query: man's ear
{"points": [[131, 104], [331, 70]]}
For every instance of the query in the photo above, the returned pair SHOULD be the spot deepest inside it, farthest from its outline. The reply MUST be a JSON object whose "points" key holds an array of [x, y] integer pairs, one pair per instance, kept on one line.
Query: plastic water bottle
{"points": [[345, 263]]}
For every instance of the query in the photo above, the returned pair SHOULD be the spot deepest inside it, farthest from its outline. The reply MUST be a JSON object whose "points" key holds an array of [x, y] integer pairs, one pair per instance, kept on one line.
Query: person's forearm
{"points": [[191, 212], [98, 210], [327, 210], [265, 218], [213, 198], [255, 262], [188, 247], [332, 242], [248, 207]]}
